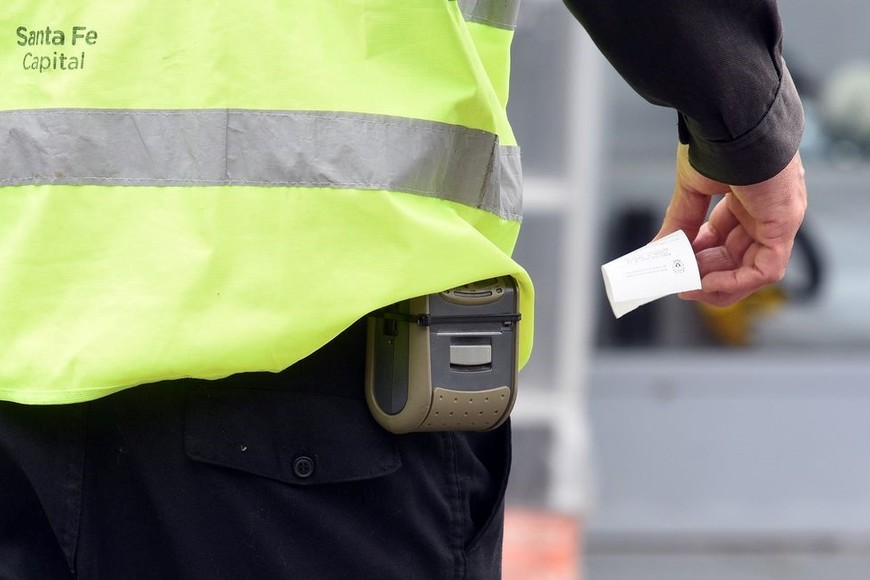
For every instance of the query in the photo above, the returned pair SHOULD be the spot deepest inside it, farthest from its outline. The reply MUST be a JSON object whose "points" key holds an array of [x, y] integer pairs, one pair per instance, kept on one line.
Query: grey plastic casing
{"points": [[458, 373]]}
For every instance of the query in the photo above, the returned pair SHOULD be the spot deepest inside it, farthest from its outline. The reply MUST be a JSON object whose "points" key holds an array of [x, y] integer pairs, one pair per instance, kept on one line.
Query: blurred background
{"points": [[677, 442]]}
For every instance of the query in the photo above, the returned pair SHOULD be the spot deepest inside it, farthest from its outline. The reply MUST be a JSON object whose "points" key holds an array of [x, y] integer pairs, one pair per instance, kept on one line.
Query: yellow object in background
{"points": [[732, 325]]}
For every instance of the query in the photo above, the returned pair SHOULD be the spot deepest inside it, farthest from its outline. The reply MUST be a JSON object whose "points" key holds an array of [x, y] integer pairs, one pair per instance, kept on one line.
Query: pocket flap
{"points": [[296, 437]]}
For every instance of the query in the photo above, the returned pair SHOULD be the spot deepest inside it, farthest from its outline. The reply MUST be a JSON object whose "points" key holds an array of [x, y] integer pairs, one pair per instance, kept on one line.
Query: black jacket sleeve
{"points": [[719, 64]]}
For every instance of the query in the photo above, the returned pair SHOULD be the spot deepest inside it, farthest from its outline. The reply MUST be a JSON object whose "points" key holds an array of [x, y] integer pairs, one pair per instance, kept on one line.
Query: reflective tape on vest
{"points": [[261, 149], [497, 13]]}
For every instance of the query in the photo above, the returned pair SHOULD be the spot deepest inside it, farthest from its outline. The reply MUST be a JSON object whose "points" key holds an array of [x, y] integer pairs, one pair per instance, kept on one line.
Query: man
{"points": [[261, 475]]}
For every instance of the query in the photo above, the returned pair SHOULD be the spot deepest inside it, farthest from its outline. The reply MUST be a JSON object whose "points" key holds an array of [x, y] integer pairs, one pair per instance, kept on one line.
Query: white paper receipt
{"points": [[665, 266]]}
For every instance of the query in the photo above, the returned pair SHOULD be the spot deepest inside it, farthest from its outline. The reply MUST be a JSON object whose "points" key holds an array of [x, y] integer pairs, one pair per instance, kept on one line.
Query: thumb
{"points": [[689, 204]]}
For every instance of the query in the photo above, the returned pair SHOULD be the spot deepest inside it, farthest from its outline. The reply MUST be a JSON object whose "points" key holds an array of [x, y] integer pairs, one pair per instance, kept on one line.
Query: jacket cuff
{"points": [[760, 153]]}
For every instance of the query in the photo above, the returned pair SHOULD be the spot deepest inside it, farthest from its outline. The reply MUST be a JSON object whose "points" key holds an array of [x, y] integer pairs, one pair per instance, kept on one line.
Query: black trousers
{"points": [[255, 476]]}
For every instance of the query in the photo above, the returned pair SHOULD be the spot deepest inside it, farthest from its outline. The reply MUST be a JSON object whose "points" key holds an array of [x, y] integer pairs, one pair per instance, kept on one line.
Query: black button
{"points": [[303, 467]]}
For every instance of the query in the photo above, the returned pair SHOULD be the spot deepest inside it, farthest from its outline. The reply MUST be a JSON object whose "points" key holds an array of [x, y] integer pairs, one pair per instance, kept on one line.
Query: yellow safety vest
{"points": [[200, 188]]}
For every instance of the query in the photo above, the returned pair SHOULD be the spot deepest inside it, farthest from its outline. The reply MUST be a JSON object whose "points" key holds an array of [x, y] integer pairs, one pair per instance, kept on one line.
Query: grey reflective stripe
{"points": [[498, 13], [259, 148]]}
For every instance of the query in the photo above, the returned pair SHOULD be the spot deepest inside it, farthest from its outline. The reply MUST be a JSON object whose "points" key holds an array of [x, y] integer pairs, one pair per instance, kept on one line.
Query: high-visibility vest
{"points": [[200, 188]]}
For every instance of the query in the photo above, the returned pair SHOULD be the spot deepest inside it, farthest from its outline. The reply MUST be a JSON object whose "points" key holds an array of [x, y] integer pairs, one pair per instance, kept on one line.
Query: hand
{"points": [[747, 240]]}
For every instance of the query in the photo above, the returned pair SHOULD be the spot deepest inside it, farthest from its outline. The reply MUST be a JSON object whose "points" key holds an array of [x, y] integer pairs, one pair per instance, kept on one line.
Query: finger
{"points": [[715, 259], [737, 244], [712, 284], [715, 231], [714, 298], [732, 274], [761, 266], [686, 211], [726, 256]]}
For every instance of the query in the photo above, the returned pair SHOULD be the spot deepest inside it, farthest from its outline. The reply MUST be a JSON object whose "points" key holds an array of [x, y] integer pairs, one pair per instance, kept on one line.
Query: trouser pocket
{"points": [[295, 437]]}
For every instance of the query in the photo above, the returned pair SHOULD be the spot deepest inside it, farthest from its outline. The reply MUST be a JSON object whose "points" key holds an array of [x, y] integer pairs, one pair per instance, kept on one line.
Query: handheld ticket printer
{"points": [[446, 361]]}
